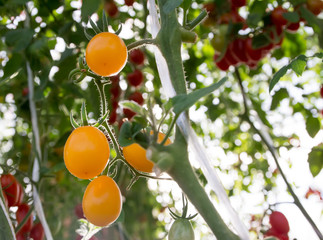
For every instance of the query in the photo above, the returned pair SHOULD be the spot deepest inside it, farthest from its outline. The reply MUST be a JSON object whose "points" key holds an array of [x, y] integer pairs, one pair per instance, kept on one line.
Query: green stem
{"points": [[200, 18], [103, 99], [140, 43], [170, 129], [273, 153], [170, 43]]}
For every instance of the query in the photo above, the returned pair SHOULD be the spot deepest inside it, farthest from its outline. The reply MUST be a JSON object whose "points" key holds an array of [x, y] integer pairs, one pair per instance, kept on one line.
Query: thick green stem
{"points": [[170, 43], [185, 177]]}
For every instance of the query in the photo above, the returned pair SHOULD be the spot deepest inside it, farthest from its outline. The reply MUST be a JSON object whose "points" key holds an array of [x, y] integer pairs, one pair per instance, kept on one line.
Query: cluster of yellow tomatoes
{"points": [[87, 151]]}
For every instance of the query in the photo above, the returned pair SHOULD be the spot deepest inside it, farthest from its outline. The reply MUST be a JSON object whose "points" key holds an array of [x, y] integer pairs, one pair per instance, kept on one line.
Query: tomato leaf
{"points": [[186, 4], [313, 125], [315, 160], [281, 72], [171, 5], [278, 97], [7, 231], [183, 102], [88, 8], [291, 17], [299, 64], [131, 133], [132, 105], [19, 38]]}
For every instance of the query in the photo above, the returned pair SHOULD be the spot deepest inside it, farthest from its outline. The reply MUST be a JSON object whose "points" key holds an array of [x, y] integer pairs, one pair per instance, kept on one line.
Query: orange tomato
{"points": [[106, 54], [102, 202], [135, 155], [86, 152]]}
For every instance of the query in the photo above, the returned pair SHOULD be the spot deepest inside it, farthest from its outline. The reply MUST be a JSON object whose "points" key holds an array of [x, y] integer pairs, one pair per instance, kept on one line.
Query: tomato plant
{"points": [[10, 188], [37, 232], [137, 56], [102, 201], [277, 17], [106, 54], [86, 152]]}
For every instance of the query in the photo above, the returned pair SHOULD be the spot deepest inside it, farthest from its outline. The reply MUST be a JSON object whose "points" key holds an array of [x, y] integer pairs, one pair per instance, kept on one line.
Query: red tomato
{"points": [[21, 236], [137, 97], [238, 3], [114, 104], [273, 233], [115, 91], [277, 17], [229, 56], [25, 91], [129, 2], [321, 91], [292, 27], [209, 7], [252, 53], [128, 113], [222, 64], [137, 56], [113, 116], [111, 8], [135, 78], [21, 213], [238, 50], [10, 187], [115, 79], [37, 232], [21, 194], [315, 6], [279, 222]]}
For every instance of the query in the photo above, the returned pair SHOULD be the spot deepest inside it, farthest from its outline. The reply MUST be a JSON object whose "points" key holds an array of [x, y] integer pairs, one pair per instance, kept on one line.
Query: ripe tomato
{"points": [[128, 113], [321, 91], [37, 232], [135, 155], [137, 97], [25, 92], [209, 7], [86, 152], [135, 78], [181, 229], [273, 233], [315, 6], [113, 116], [222, 64], [279, 222], [10, 188], [277, 17], [21, 236], [239, 51], [21, 194], [115, 91], [252, 53], [106, 54], [21, 213], [111, 8], [137, 56], [238, 3], [129, 2], [293, 27], [102, 201]]}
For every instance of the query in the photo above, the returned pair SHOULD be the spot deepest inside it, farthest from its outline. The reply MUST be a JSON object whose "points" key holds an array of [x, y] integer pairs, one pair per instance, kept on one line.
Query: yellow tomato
{"points": [[86, 152], [102, 201]]}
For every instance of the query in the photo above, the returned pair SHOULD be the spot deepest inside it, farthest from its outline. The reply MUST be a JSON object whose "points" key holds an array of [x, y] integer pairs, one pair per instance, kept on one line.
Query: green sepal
{"points": [[95, 28], [101, 121], [72, 120], [85, 121]]}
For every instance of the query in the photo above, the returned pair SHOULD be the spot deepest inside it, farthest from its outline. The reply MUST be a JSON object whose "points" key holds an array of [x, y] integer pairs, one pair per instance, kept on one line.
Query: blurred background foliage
{"points": [[48, 36]]}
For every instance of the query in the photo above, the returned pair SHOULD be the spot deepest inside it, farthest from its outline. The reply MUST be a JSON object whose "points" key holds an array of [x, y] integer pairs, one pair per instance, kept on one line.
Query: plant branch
{"points": [[274, 154], [140, 43]]}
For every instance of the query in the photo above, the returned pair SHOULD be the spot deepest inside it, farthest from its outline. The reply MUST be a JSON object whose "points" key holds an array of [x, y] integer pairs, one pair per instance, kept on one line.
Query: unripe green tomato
{"points": [[181, 230]]}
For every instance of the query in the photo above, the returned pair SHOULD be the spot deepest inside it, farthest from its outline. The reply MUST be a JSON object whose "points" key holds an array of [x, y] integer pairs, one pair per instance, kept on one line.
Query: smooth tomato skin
{"points": [[102, 201], [137, 97], [21, 194], [106, 54], [10, 188], [129, 2], [293, 27], [315, 6], [135, 155], [113, 116], [277, 17], [238, 3], [321, 91], [135, 78], [238, 50], [37, 232], [137, 56], [279, 222], [181, 229], [86, 152], [21, 236], [111, 8], [273, 233], [222, 64], [22, 211], [252, 53], [128, 113]]}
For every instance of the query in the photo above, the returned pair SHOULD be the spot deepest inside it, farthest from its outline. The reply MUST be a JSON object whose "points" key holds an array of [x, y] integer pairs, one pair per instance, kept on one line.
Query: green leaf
{"points": [[19, 38], [298, 65], [278, 97], [88, 8], [186, 4], [171, 5], [6, 226], [291, 17], [131, 133], [315, 160], [313, 125], [133, 106], [183, 102]]}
